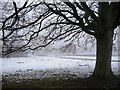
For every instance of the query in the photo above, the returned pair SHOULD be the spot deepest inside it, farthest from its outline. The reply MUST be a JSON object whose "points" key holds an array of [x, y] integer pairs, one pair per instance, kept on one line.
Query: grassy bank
{"points": [[61, 83]]}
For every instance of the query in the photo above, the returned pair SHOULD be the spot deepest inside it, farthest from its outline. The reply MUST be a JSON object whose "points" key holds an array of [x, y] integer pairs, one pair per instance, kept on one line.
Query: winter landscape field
{"points": [[59, 44], [50, 64], [18, 69]]}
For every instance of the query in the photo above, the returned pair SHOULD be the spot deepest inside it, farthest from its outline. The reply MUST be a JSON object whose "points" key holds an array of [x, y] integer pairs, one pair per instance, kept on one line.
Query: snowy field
{"points": [[46, 66]]}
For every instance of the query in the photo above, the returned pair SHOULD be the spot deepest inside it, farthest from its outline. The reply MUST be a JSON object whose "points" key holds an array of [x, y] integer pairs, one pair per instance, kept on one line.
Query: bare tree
{"points": [[19, 25], [67, 20]]}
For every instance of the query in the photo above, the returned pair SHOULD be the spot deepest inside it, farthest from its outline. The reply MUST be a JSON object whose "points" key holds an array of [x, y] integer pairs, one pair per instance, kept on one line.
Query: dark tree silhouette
{"points": [[61, 20]]}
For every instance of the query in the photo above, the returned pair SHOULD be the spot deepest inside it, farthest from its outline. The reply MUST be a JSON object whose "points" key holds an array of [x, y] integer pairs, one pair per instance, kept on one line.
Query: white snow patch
{"points": [[58, 64]]}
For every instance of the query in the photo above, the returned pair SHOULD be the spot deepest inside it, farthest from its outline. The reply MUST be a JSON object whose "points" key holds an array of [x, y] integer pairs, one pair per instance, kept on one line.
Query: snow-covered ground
{"points": [[45, 66], [82, 57]]}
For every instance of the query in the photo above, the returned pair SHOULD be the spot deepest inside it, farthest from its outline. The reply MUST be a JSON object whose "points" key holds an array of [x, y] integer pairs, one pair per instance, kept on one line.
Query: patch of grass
{"points": [[61, 83], [34, 83]]}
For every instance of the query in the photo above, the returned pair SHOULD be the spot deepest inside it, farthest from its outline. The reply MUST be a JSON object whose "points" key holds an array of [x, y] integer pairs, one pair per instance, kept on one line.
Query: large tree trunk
{"points": [[103, 58]]}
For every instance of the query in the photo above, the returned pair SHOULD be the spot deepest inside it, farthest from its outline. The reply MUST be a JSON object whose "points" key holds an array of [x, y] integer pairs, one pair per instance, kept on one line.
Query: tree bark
{"points": [[103, 56]]}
